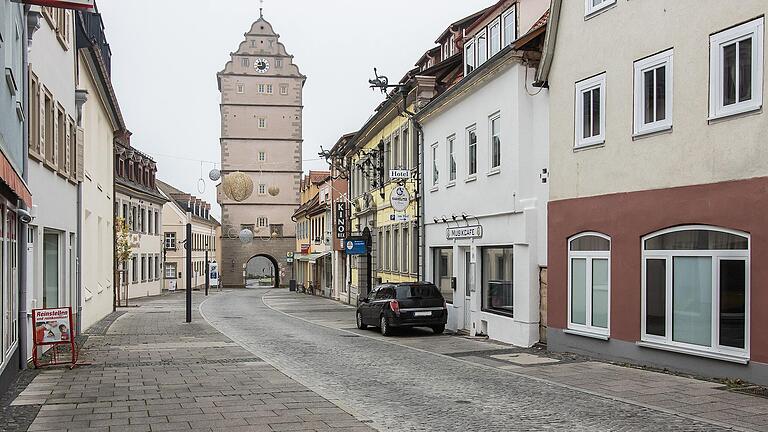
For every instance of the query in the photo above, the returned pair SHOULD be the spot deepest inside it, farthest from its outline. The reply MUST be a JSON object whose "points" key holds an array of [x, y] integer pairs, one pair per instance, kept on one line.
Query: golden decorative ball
{"points": [[237, 186], [274, 190]]}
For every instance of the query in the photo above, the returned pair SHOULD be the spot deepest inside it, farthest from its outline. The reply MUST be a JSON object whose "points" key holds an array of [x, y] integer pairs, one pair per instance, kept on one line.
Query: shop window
{"points": [[498, 286], [589, 283], [695, 291], [442, 271]]}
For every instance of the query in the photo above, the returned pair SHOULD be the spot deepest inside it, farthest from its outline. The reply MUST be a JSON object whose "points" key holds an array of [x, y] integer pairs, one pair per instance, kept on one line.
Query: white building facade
{"points": [[485, 200]]}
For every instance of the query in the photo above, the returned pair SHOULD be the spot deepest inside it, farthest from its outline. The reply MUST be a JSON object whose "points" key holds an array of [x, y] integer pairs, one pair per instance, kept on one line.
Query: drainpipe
{"points": [[22, 245], [421, 234], [81, 96]]}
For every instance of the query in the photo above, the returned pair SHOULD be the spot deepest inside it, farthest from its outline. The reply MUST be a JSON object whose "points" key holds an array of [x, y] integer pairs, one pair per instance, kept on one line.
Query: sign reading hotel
{"points": [[82, 5], [395, 174], [52, 327], [467, 232]]}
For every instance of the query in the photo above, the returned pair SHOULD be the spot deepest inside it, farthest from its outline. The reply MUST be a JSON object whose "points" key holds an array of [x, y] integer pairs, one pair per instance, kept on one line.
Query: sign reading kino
{"points": [[467, 232], [83, 5]]}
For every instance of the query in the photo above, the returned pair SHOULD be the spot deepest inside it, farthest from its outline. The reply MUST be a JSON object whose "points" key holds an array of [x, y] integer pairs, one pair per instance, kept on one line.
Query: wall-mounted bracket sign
{"points": [[467, 232], [395, 174], [399, 218], [82, 5], [355, 246], [400, 198], [341, 219]]}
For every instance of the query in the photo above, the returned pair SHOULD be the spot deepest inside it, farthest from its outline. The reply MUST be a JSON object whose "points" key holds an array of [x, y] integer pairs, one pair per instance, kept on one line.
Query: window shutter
{"points": [[55, 156], [78, 162], [68, 166], [41, 142]]}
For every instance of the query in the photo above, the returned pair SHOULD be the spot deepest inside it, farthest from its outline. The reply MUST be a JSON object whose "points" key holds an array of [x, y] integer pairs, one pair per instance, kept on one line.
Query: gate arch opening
{"points": [[262, 270]]}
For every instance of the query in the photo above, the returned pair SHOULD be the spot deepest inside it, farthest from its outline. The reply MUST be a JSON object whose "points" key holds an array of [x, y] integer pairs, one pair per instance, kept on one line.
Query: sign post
{"points": [[53, 328]]}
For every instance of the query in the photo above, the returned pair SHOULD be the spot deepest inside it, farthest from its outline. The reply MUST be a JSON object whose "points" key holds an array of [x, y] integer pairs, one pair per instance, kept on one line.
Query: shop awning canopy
{"points": [[311, 258]]}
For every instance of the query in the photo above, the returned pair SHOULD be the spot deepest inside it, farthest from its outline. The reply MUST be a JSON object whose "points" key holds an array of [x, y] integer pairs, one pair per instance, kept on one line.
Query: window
{"points": [[262, 222], [387, 249], [471, 152], [396, 152], [494, 34], [593, 6], [283, 89], [34, 115], [262, 88], [589, 283], [262, 123], [278, 63], [482, 47], [736, 69], [451, 145], [262, 156], [405, 150], [498, 286], [170, 270], [396, 249], [240, 88], [269, 88], [61, 139], [695, 290], [170, 240], [495, 144], [51, 269], [134, 269], [510, 26], [442, 271], [143, 268], [435, 170], [590, 111], [262, 189], [245, 62], [653, 93], [469, 57]]}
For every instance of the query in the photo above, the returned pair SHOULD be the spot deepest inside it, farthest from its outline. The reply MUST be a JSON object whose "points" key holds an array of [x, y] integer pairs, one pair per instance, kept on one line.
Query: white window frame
{"points": [[582, 87], [511, 12], [283, 89], [435, 166], [262, 156], [493, 169], [262, 189], [262, 88], [483, 34], [641, 67], [470, 129], [170, 240], [495, 23], [755, 30], [269, 89], [262, 122], [470, 47], [450, 153], [666, 342], [262, 222], [589, 9], [240, 88], [589, 256]]}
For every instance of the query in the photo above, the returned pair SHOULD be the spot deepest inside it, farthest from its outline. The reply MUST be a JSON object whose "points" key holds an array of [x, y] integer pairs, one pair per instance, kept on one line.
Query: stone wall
{"points": [[233, 249]]}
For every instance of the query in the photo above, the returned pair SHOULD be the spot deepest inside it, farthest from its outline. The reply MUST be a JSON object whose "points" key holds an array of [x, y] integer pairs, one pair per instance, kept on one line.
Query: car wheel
{"points": [[438, 329], [385, 329], [360, 324]]}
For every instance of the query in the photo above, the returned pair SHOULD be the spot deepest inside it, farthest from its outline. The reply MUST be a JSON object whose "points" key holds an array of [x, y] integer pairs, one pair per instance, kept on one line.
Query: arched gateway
{"points": [[261, 117], [262, 271]]}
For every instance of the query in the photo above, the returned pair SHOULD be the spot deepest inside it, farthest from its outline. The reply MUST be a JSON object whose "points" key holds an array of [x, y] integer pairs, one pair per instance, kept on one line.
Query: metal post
{"points": [[207, 272], [188, 245]]}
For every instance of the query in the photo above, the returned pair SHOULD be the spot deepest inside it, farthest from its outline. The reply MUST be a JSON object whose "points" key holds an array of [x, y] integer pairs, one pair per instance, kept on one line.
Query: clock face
{"points": [[262, 66]]}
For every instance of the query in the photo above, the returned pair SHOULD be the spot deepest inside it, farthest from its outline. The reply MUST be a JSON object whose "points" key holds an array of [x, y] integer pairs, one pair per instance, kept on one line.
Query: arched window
{"points": [[589, 282], [695, 290]]}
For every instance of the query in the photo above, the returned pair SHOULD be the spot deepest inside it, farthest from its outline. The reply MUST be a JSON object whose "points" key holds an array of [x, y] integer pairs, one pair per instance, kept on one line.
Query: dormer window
{"points": [[509, 23], [469, 57]]}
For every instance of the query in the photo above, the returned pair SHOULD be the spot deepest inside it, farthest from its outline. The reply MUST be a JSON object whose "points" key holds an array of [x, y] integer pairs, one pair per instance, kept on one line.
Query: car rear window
{"points": [[418, 291]]}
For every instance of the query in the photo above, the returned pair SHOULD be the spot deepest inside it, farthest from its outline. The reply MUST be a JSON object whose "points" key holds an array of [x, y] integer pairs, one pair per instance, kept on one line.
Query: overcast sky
{"points": [[166, 53]]}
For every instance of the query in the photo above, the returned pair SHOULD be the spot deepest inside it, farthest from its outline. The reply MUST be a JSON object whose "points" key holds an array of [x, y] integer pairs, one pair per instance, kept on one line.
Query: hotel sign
{"points": [[467, 232], [82, 5]]}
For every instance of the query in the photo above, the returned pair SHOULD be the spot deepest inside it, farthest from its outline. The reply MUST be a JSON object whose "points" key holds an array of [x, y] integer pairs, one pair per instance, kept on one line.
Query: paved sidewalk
{"points": [[688, 397], [152, 372]]}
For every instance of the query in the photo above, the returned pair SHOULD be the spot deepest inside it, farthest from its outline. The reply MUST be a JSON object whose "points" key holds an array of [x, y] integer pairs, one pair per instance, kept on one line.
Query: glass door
{"points": [[51, 266], [467, 290]]}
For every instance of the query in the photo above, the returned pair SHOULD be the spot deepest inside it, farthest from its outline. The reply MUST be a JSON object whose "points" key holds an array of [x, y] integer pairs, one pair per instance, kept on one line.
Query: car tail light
{"points": [[395, 306]]}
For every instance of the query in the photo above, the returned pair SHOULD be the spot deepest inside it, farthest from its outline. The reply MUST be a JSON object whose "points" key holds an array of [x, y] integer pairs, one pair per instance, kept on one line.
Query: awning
{"points": [[313, 257], [13, 181]]}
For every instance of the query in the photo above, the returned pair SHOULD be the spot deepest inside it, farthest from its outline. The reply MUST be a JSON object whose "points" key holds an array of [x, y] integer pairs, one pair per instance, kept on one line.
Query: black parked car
{"points": [[416, 304]]}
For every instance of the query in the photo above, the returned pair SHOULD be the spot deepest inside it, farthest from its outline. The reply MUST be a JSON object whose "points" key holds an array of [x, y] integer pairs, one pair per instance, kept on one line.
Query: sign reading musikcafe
{"points": [[467, 232]]}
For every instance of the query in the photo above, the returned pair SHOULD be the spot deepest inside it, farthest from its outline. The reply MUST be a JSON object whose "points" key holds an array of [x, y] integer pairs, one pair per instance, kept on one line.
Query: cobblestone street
{"points": [[417, 381]]}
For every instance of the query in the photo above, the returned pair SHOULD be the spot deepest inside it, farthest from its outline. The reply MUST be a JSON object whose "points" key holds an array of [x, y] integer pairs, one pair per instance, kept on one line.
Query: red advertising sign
{"points": [[51, 328], [305, 248], [83, 5]]}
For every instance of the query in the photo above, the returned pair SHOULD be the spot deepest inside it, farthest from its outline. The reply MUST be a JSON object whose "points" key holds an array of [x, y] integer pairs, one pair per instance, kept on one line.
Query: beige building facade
{"points": [[261, 136], [183, 208], [658, 173]]}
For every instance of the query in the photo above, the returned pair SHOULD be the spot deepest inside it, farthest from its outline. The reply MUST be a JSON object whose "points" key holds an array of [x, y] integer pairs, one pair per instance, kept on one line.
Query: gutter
{"points": [[23, 240], [542, 76]]}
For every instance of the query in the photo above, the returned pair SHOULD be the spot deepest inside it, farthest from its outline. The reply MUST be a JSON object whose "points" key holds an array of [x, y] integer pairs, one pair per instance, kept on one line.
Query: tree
{"points": [[123, 251]]}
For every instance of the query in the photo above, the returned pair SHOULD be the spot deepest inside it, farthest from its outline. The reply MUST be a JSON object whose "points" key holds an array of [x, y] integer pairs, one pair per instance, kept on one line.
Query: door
{"points": [[467, 290], [365, 308]]}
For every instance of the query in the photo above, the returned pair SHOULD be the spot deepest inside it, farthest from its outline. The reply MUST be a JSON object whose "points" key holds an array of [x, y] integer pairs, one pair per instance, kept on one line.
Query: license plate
{"points": [[428, 313]]}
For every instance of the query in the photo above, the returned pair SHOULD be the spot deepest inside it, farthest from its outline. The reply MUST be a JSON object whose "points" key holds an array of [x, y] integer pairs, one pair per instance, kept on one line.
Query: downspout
{"points": [[81, 97], [421, 233], [23, 240]]}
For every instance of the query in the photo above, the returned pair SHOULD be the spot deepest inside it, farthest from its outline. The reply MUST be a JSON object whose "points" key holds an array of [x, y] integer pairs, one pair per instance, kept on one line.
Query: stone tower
{"points": [[261, 118]]}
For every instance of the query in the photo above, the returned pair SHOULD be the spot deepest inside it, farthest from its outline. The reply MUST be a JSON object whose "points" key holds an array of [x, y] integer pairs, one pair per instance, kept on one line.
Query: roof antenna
{"points": [[261, 9]]}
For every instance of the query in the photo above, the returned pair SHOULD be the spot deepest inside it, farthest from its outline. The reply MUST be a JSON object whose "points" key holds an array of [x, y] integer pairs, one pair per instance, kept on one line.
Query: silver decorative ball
{"points": [[246, 236], [214, 175]]}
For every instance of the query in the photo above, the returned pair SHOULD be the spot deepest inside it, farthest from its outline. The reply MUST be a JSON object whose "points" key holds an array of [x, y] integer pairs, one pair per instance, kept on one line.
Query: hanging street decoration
{"points": [[237, 186]]}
